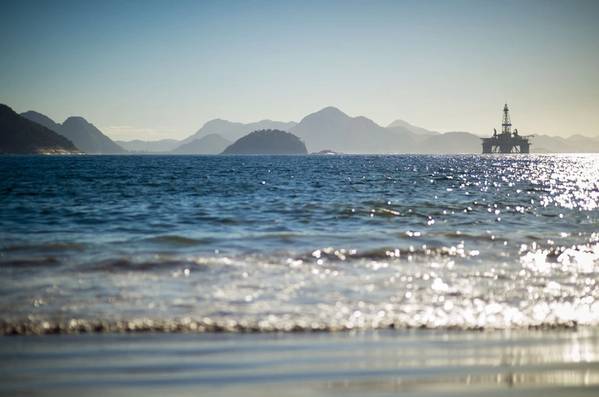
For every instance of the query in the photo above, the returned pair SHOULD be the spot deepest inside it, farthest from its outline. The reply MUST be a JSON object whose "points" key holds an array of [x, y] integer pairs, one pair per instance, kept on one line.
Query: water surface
{"points": [[284, 243]]}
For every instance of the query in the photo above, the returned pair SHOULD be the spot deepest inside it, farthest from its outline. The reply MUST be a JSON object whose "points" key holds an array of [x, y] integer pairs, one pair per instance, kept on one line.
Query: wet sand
{"points": [[406, 362]]}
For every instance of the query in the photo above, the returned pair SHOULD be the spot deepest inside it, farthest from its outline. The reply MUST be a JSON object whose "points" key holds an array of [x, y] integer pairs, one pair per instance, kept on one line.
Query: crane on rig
{"points": [[506, 141]]}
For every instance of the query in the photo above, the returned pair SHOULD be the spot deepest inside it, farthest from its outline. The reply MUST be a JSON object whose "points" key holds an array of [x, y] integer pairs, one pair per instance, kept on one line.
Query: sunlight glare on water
{"points": [[325, 243]]}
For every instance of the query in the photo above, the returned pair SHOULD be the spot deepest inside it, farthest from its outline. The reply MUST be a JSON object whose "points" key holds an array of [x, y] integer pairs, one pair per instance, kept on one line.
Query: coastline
{"points": [[408, 362]]}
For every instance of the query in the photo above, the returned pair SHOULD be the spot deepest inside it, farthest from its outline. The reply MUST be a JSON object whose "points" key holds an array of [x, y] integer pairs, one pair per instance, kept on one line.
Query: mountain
{"points": [[209, 144], [88, 138], [412, 128], [450, 143], [573, 144], [233, 131], [42, 120], [78, 130], [267, 142], [584, 143], [160, 146], [23, 136], [332, 129]]}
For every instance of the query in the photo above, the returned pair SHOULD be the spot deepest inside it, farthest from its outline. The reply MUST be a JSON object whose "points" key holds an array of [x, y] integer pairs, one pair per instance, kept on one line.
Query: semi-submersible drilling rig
{"points": [[506, 141]]}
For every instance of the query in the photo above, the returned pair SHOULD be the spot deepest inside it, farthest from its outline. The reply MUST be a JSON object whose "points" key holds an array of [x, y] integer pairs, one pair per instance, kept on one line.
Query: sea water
{"points": [[295, 243]]}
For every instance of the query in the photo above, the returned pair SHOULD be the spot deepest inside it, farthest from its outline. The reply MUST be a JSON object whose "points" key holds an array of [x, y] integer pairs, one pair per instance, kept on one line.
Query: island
{"points": [[267, 142]]}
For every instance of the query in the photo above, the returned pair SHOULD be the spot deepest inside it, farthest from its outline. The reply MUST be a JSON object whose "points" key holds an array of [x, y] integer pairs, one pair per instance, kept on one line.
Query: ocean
{"points": [[309, 251]]}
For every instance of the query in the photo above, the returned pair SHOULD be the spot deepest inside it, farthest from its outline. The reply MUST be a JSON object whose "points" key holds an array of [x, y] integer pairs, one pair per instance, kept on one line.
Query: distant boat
{"points": [[506, 141]]}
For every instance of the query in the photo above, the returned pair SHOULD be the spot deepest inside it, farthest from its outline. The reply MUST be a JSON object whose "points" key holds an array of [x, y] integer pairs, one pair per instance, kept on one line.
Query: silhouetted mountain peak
{"points": [[330, 128], [332, 114], [331, 110], [328, 112], [18, 134], [402, 124], [81, 132], [76, 121], [42, 119], [32, 114], [215, 122], [399, 123]]}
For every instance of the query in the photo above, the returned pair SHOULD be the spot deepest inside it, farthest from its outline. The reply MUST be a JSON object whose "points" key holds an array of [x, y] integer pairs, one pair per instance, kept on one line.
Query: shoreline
{"points": [[410, 362]]}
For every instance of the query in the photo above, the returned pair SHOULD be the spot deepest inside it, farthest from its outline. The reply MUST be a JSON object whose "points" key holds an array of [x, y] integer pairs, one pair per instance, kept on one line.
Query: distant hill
{"points": [[585, 143], [139, 146], [573, 144], [450, 143], [412, 128], [332, 129], [78, 130], [42, 120], [22, 136], [209, 144], [233, 131], [267, 142]]}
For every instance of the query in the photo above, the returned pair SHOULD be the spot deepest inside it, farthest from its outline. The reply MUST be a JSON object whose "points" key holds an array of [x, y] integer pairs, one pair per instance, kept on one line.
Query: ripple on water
{"points": [[352, 242]]}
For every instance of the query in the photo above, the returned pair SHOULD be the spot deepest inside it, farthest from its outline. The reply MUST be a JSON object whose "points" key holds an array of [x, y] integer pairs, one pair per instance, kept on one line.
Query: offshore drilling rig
{"points": [[506, 141]]}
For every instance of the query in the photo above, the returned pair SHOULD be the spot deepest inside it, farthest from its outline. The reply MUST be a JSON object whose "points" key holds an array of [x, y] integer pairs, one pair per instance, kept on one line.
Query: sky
{"points": [[161, 69]]}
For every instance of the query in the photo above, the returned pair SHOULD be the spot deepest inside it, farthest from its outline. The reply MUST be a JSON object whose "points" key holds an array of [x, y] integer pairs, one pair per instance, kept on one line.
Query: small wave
{"points": [[45, 247], [387, 253], [44, 262], [267, 325], [123, 264], [173, 239]]}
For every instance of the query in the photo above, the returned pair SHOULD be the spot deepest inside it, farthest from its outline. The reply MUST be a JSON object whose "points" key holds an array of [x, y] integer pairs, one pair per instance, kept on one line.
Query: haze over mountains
{"points": [[140, 146], [208, 144], [83, 134], [331, 129], [217, 134], [233, 131], [326, 129]]}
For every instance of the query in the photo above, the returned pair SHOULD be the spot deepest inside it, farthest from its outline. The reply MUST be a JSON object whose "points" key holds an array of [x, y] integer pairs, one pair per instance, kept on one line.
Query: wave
{"points": [[326, 290], [266, 325], [173, 239]]}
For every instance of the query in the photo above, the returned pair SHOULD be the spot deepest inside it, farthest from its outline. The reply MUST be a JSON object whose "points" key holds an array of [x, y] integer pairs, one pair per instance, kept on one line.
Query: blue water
{"points": [[264, 243]]}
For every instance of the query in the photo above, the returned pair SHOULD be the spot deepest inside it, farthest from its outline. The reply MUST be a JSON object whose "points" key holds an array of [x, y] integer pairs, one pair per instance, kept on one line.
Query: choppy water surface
{"points": [[102, 243]]}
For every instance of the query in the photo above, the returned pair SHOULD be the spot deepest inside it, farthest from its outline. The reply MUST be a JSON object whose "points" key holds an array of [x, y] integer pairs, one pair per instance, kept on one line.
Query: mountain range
{"points": [[233, 131], [327, 129], [19, 135], [208, 144], [332, 129], [83, 134], [139, 146]]}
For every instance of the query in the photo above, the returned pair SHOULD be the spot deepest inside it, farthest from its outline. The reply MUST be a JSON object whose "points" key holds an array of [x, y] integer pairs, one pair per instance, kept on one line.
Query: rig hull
{"points": [[509, 144]]}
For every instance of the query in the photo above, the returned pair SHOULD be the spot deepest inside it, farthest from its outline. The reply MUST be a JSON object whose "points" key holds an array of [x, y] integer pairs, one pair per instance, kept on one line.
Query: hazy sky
{"points": [[155, 69]]}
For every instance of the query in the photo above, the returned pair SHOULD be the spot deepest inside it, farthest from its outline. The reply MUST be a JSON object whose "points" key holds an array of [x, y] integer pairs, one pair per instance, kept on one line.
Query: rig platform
{"points": [[506, 141]]}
